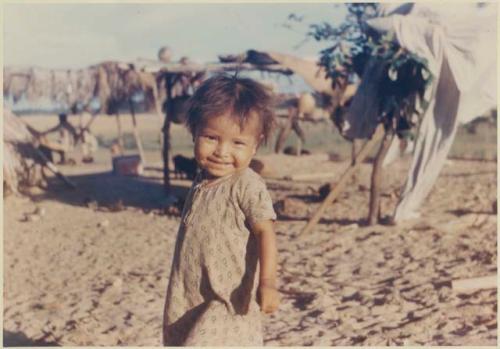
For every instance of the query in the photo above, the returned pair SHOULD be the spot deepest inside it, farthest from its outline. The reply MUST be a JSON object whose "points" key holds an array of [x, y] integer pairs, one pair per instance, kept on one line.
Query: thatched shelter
{"points": [[109, 86], [15, 82], [112, 83], [20, 168], [26, 155]]}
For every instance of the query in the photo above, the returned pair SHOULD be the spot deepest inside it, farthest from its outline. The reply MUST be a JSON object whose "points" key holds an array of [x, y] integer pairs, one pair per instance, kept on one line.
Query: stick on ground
{"points": [[472, 284], [367, 147]]}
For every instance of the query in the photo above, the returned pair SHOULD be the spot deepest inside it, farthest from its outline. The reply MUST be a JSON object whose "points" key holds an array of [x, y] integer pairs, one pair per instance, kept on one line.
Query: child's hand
{"points": [[269, 298]]}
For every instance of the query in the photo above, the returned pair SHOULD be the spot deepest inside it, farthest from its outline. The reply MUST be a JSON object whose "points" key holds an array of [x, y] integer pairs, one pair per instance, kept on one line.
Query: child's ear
{"points": [[255, 150], [261, 140], [258, 144]]}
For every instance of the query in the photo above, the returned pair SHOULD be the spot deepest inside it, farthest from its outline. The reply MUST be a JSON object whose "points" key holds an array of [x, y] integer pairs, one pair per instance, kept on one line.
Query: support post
{"points": [[120, 134], [376, 178], [91, 121], [337, 189], [166, 135], [137, 136], [354, 151], [47, 163]]}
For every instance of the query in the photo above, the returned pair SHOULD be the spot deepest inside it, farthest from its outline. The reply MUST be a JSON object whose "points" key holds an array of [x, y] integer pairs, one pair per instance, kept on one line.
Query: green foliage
{"points": [[353, 43]]}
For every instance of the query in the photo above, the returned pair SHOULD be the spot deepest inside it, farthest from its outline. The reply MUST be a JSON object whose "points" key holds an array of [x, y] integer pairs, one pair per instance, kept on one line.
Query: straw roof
{"points": [[111, 82]]}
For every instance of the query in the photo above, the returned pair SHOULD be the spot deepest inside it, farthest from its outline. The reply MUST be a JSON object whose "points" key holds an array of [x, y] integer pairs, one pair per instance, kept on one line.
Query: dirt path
{"points": [[92, 266]]}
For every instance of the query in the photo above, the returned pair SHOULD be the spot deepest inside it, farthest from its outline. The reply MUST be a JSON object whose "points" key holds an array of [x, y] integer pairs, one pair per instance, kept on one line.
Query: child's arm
{"points": [[269, 296]]}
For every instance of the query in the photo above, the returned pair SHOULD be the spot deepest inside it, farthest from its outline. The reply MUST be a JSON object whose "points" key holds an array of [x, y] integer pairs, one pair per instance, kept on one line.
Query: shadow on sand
{"points": [[339, 221], [19, 339], [107, 189]]}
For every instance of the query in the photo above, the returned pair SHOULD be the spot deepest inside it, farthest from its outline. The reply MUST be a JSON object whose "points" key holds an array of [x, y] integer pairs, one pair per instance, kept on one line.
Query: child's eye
{"points": [[210, 137], [239, 143]]}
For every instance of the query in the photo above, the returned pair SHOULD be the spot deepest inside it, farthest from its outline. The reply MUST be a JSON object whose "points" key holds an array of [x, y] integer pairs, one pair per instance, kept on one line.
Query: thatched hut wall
{"points": [[86, 79], [40, 84], [111, 84], [15, 82], [19, 165], [116, 84]]}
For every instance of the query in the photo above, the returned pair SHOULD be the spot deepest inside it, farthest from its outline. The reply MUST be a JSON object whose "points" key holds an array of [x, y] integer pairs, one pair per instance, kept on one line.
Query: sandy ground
{"points": [[92, 265]]}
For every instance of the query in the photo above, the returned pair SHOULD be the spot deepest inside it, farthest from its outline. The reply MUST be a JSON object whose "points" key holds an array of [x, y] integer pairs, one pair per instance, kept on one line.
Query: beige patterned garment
{"points": [[211, 297]]}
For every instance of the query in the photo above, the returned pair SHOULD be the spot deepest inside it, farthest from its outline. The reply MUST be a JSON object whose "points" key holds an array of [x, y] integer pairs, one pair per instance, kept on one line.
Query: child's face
{"points": [[222, 147]]}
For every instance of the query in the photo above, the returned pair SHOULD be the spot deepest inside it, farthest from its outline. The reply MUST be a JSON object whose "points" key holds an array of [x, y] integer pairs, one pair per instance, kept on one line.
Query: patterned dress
{"points": [[211, 296]]}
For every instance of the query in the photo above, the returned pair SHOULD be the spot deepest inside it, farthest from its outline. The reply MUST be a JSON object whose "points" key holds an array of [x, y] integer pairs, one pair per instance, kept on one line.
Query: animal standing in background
{"points": [[333, 98], [305, 107], [185, 167]]}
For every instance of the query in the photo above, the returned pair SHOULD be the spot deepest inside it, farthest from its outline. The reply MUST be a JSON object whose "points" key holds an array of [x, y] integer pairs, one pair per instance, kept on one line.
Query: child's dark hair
{"points": [[238, 96]]}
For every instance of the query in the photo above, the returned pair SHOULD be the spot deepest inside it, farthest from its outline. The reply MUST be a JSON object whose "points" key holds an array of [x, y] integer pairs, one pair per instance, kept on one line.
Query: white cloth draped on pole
{"points": [[459, 44]]}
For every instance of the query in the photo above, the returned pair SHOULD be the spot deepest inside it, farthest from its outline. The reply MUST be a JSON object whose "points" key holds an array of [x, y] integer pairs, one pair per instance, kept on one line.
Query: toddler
{"points": [[224, 263]]}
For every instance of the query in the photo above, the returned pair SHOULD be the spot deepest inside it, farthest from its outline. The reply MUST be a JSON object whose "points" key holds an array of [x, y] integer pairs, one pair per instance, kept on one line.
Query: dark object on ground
{"points": [[185, 166], [291, 150], [335, 157], [88, 160], [257, 165], [324, 190], [70, 161]]}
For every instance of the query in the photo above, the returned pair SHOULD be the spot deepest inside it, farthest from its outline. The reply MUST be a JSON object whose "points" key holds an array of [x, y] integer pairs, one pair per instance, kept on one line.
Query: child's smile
{"points": [[222, 147]]}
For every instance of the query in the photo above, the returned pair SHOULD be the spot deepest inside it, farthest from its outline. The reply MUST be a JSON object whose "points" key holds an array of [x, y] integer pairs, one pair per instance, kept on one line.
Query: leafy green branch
{"points": [[405, 75]]}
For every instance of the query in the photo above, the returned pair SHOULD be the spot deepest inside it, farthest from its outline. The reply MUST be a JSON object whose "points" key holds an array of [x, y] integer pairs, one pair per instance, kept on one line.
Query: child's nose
{"points": [[222, 149]]}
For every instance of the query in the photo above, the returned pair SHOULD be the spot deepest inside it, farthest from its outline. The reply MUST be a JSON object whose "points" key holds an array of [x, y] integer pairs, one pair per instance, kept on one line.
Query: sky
{"points": [[65, 35]]}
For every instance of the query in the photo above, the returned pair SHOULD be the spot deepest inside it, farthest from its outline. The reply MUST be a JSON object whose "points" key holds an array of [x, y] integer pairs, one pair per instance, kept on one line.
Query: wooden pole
{"points": [[354, 151], [91, 121], [120, 135], [376, 178], [47, 163], [337, 189], [136, 133], [166, 135]]}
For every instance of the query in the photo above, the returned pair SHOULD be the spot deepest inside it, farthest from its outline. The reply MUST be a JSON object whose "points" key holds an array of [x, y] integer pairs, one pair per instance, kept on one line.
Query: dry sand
{"points": [[91, 267]]}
